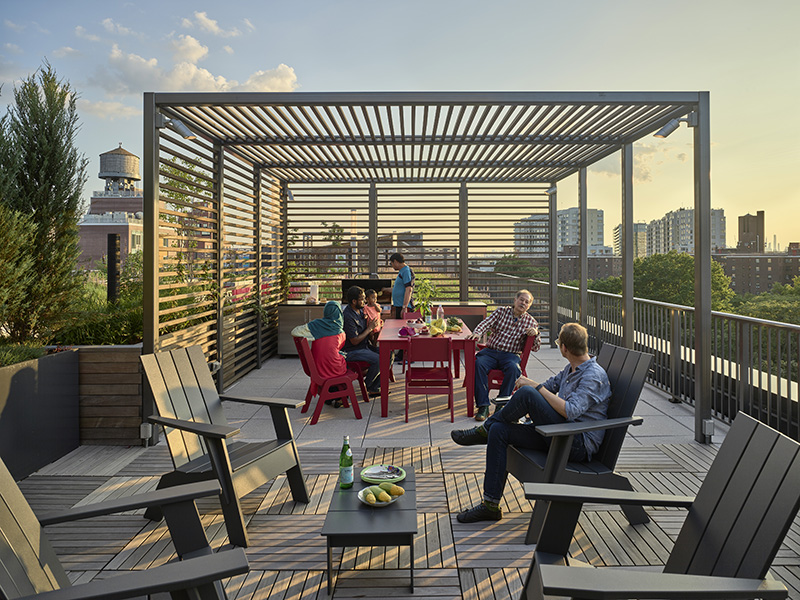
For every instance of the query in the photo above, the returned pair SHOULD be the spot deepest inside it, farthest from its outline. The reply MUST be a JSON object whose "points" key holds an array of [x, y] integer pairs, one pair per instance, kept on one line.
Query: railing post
{"points": [[675, 364], [744, 390], [553, 245], [259, 266]]}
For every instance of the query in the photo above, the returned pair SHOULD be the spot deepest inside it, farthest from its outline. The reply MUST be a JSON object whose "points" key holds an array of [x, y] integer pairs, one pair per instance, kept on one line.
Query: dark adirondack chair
{"points": [[197, 434], [732, 532], [627, 370], [29, 566]]}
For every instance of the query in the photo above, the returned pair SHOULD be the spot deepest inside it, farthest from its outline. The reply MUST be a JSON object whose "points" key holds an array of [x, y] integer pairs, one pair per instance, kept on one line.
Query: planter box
{"points": [[38, 412], [110, 395]]}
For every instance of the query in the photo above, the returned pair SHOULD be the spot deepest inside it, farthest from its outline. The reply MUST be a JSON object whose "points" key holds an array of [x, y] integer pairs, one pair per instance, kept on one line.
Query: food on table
{"points": [[392, 488], [380, 494]]}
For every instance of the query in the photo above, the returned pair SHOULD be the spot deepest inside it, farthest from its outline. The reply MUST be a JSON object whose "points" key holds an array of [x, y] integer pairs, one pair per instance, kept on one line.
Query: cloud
{"points": [[129, 73], [280, 79], [116, 28], [66, 51], [209, 25], [14, 26], [249, 25], [228, 49], [81, 32], [109, 111], [645, 156], [188, 49], [13, 48]]}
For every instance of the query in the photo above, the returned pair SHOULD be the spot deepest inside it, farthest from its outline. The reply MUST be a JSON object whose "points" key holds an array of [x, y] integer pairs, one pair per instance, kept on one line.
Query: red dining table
{"points": [[390, 339]]}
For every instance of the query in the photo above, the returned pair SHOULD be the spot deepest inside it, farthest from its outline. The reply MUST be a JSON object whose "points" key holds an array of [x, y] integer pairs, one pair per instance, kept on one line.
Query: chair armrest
{"points": [[182, 575], [613, 583], [561, 492], [558, 429], [279, 402], [202, 429], [161, 497]]}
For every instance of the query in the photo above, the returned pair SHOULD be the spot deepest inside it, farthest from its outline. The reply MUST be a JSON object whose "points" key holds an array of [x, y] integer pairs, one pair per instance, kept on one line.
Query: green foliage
{"points": [[42, 175], [11, 354], [335, 233], [520, 267], [17, 267], [424, 292], [781, 303]]}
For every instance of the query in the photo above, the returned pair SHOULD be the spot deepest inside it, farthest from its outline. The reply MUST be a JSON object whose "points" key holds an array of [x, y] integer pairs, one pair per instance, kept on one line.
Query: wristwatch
{"points": [[539, 387]]}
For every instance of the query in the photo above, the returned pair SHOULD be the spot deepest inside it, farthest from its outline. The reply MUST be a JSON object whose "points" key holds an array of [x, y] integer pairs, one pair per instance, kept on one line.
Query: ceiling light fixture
{"points": [[673, 124]]}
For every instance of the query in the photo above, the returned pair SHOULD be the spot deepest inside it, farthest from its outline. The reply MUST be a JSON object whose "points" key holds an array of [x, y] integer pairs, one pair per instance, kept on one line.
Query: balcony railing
{"points": [[755, 363]]}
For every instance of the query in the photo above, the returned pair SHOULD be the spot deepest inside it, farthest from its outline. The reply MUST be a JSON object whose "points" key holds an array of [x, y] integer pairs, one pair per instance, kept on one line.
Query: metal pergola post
{"points": [[703, 424], [553, 216], [150, 227], [463, 242], [373, 228], [627, 246], [219, 192], [584, 247]]}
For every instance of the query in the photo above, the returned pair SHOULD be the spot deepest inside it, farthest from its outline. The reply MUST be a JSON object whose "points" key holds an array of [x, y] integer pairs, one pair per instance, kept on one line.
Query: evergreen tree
{"points": [[42, 175]]}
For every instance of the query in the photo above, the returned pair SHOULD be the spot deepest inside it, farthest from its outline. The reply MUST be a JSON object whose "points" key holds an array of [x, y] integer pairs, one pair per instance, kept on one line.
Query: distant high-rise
{"points": [[639, 240], [675, 231], [751, 233], [531, 233]]}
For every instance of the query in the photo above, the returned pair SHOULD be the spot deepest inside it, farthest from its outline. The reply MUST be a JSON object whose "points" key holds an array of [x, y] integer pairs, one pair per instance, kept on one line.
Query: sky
{"points": [[745, 53]]}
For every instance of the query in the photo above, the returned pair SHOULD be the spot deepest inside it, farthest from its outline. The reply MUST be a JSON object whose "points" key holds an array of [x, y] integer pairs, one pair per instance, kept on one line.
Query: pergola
{"points": [[268, 142]]}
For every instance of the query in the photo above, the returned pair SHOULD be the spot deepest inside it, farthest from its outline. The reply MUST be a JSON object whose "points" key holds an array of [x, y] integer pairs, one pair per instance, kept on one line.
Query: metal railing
{"points": [[755, 363]]}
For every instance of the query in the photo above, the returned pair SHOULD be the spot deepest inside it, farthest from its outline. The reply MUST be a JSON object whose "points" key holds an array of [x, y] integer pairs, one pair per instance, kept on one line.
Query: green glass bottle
{"points": [[346, 465]]}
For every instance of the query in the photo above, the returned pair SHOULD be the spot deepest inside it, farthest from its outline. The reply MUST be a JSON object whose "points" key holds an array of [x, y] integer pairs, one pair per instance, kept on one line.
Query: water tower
{"points": [[120, 169]]}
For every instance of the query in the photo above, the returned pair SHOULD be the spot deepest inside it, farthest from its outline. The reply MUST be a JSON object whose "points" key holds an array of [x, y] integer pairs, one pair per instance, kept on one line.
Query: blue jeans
{"points": [[488, 359], [503, 430], [371, 356]]}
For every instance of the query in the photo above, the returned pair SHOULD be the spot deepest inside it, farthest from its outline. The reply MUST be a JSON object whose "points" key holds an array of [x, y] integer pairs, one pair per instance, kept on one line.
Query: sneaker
{"points": [[482, 414], [373, 393], [479, 513], [469, 437]]}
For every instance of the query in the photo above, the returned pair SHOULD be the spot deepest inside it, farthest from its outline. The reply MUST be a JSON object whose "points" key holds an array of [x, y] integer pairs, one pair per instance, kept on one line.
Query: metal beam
{"points": [[219, 193], [702, 272], [463, 242], [373, 228], [416, 140], [627, 246]]}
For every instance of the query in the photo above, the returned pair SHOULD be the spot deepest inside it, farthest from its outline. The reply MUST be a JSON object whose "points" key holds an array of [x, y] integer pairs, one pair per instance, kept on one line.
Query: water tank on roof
{"points": [[119, 164]]}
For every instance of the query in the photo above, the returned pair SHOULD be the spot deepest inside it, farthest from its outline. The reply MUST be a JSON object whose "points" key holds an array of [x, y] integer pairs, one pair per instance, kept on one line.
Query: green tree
{"points": [[511, 264], [334, 234], [781, 303], [43, 175], [17, 273]]}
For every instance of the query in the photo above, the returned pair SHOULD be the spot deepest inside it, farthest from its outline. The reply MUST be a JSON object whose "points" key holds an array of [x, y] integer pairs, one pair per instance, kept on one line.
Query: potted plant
{"points": [[424, 291]]}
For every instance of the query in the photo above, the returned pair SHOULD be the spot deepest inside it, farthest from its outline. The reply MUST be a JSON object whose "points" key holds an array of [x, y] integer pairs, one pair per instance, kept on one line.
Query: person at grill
{"points": [[357, 329], [326, 336], [509, 325], [580, 392]]}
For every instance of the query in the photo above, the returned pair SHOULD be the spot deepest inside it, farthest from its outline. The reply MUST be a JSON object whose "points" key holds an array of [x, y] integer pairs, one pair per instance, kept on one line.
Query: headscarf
{"points": [[331, 323]]}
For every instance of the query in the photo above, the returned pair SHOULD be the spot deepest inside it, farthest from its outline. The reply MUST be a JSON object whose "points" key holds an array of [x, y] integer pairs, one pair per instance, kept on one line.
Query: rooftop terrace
{"points": [[453, 560]]}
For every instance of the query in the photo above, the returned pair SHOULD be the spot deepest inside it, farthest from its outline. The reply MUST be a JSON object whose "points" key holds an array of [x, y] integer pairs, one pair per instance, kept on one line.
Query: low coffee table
{"points": [[351, 523]]}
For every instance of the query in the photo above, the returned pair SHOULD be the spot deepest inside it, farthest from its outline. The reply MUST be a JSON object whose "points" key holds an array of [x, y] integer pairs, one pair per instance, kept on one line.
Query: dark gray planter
{"points": [[39, 414]]}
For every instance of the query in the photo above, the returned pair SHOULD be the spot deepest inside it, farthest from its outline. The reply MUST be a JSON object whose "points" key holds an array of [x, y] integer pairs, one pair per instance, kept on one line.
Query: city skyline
{"points": [[746, 56]]}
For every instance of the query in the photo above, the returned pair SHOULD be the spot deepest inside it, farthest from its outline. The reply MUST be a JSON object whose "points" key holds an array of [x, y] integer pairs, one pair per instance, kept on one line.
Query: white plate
{"points": [[378, 503]]}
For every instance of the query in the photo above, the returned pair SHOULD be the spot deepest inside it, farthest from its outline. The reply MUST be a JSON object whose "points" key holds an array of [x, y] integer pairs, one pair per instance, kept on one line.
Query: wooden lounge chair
{"points": [[29, 566], [197, 434], [627, 370], [732, 532]]}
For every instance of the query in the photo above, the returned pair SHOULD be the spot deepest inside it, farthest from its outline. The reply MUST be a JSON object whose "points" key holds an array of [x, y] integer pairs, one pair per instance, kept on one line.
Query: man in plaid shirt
{"points": [[508, 325]]}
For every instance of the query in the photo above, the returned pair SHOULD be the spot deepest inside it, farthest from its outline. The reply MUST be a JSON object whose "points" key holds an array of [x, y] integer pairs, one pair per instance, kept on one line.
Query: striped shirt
{"points": [[507, 331]]}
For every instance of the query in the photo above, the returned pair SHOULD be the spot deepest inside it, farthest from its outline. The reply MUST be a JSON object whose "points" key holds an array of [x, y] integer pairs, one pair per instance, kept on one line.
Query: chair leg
{"points": [[364, 393], [317, 409], [636, 515], [356, 409], [406, 404], [309, 397]]}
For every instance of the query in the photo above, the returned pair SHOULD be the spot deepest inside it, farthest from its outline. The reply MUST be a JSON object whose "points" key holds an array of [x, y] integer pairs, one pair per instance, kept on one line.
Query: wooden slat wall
{"points": [[110, 395]]}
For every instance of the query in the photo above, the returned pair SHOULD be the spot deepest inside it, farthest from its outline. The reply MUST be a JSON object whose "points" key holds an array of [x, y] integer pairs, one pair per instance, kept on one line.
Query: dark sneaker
{"points": [[468, 437], [373, 393], [479, 513], [482, 414]]}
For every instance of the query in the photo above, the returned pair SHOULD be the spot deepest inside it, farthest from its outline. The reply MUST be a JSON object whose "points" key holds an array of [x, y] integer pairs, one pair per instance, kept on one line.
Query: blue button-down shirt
{"points": [[586, 392]]}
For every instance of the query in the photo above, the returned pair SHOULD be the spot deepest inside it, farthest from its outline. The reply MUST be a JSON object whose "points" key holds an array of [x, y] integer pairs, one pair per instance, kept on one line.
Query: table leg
{"points": [[385, 366], [457, 362], [412, 565], [469, 374], [330, 569]]}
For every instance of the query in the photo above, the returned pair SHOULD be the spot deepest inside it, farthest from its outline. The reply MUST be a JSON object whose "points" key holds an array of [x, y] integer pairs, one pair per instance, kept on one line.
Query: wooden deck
{"points": [[287, 557], [483, 561]]}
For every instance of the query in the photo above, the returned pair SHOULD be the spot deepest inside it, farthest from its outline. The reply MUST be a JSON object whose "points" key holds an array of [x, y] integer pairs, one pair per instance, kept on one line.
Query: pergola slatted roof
{"points": [[513, 137]]}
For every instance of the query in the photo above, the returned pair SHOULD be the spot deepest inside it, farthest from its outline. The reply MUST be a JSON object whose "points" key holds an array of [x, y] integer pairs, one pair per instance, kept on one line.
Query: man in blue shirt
{"points": [[580, 392], [403, 286], [357, 327]]}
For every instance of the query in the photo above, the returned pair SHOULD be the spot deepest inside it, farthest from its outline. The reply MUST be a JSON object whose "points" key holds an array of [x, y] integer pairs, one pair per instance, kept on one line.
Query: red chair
{"points": [[425, 380], [341, 387], [496, 375]]}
